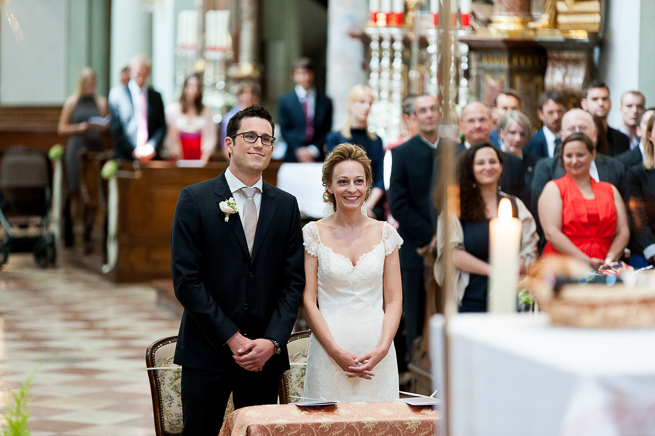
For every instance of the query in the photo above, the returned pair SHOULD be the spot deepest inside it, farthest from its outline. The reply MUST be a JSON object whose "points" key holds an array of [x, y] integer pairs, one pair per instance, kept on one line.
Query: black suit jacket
{"points": [[222, 288], [631, 158], [617, 142], [529, 165], [292, 123], [409, 198], [123, 121], [537, 145], [640, 202]]}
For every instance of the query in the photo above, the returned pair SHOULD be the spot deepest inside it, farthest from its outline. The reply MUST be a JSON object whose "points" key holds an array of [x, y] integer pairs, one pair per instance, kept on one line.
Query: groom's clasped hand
{"points": [[249, 354]]}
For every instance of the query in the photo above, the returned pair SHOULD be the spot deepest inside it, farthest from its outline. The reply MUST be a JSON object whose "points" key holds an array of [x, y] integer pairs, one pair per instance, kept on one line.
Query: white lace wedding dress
{"points": [[350, 299]]}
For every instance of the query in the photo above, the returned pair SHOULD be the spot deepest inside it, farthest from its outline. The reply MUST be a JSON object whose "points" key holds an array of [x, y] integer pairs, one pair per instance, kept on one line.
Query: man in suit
{"points": [[305, 116], [239, 277], [597, 102], [507, 100], [604, 168], [633, 104], [636, 155], [138, 123], [475, 125], [552, 106], [411, 205]]}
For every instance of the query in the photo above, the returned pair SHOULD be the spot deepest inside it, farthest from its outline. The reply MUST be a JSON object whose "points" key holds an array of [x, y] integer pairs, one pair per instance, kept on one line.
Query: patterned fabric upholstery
{"points": [[293, 380], [165, 386]]}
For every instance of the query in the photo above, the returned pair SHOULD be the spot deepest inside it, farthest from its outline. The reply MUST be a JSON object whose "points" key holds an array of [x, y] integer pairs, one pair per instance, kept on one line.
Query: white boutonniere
{"points": [[228, 207]]}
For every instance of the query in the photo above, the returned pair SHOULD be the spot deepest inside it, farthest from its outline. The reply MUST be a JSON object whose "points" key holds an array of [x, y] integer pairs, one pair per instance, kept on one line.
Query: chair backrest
{"points": [[165, 386], [293, 380]]}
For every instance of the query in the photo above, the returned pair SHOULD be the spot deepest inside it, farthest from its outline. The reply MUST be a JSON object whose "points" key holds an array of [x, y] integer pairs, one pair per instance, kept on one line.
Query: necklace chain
{"points": [[350, 227]]}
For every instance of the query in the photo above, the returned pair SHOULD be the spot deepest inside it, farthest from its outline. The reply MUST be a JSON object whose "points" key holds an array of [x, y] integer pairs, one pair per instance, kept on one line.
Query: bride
{"points": [[353, 295]]}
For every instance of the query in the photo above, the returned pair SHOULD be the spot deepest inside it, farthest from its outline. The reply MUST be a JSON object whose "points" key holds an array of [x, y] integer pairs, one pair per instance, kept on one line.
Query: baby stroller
{"points": [[25, 193]]}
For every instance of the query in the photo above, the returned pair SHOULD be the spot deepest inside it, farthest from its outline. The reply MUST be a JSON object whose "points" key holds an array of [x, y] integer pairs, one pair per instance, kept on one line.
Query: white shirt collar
{"points": [[641, 148], [550, 141], [434, 146], [134, 88], [235, 184], [593, 171], [303, 93]]}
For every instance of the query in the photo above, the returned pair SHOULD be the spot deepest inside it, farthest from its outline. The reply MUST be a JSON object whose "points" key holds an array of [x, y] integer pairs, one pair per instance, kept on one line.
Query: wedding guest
{"points": [[597, 102], [191, 132], [514, 130], [138, 123], [552, 107], [580, 217], [410, 127], [506, 100], [355, 131], [248, 93], [478, 173], [305, 116], [633, 104], [636, 155], [353, 297], [125, 75], [640, 200], [84, 136]]}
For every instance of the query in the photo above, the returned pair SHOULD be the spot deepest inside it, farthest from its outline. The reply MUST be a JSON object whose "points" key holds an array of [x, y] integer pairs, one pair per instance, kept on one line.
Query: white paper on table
{"points": [[421, 401], [303, 181], [315, 403]]}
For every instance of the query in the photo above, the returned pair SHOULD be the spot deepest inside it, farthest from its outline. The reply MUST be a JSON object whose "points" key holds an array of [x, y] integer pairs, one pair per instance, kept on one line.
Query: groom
{"points": [[240, 278]]}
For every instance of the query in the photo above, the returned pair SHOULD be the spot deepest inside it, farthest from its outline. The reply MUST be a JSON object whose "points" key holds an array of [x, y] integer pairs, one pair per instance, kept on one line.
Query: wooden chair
{"points": [[165, 387], [165, 381], [293, 380]]}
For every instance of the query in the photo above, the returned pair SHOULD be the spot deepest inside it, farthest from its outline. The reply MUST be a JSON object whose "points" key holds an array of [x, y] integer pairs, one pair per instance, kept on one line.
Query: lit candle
{"points": [[504, 244], [373, 9], [434, 9], [398, 11], [385, 8], [465, 11]]}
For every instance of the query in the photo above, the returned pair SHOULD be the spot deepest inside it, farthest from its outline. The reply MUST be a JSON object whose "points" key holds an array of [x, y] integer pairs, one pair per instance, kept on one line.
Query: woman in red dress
{"points": [[580, 217]]}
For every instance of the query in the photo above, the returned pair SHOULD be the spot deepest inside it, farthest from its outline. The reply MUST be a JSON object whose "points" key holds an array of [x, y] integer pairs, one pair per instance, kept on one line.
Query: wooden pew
{"points": [[146, 206]]}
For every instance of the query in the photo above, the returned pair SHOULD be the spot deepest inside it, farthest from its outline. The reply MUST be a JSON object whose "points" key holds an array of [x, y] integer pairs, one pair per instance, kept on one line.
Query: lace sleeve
{"points": [[391, 239], [311, 239]]}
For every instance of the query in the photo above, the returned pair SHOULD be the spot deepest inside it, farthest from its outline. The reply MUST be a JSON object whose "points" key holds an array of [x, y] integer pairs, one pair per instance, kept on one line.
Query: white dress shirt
{"points": [[550, 141], [235, 186], [433, 146], [310, 98]]}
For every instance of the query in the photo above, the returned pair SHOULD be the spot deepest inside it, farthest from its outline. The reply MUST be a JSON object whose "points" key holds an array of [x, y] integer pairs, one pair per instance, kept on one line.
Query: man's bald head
{"points": [[476, 123], [577, 120]]}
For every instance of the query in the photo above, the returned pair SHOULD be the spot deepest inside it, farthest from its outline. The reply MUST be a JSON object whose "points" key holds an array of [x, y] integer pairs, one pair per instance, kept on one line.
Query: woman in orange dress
{"points": [[580, 217]]}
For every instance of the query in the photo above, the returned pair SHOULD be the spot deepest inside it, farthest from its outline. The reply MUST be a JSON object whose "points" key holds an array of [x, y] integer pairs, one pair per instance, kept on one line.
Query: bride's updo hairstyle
{"points": [[342, 153]]}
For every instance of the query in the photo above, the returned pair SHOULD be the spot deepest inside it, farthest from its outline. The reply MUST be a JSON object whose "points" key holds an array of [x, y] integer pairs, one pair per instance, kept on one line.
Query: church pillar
{"points": [[345, 57], [131, 34]]}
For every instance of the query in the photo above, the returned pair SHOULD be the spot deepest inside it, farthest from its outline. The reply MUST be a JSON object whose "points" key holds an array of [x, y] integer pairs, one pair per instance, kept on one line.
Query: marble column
{"points": [[248, 35], [131, 33], [345, 54]]}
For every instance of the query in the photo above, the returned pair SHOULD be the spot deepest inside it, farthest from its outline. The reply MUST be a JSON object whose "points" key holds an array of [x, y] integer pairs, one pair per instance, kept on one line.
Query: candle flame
{"points": [[505, 209]]}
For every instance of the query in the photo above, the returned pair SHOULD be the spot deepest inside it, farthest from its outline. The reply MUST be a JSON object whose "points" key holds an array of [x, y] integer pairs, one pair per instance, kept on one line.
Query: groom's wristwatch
{"points": [[276, 344]]}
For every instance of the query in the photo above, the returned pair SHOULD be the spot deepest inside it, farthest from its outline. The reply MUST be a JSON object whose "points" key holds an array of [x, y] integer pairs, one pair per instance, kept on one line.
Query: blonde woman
{"points": [[355, 131], [353, 292], [74, 121]]}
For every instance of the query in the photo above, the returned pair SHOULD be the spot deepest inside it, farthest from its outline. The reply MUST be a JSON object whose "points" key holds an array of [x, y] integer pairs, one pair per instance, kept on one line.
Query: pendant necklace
{"points": [[350, 227]]}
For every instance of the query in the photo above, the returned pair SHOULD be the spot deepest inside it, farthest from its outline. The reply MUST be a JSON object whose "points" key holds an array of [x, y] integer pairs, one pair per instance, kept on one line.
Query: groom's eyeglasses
{"points": [[251, 138]]}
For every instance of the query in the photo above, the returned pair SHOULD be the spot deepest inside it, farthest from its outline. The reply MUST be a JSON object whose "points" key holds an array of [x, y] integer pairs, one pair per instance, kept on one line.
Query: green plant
{"points": [[18, 411]]}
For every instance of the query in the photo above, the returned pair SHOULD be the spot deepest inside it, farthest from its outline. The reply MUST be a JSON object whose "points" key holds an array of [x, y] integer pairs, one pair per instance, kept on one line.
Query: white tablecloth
{"points": [[517, 374], [303, 180]]}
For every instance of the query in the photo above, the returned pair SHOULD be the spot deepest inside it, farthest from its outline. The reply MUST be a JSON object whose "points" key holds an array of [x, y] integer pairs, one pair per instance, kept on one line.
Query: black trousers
{"points": [[205, 395], [413, 305]]}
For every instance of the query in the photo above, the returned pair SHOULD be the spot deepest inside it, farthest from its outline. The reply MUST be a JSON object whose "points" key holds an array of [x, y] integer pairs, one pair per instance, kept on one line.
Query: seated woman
{"points": [[479, 170], [640, 197], [355, 131], [514, 132], [580, 217], [191, 132]]}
